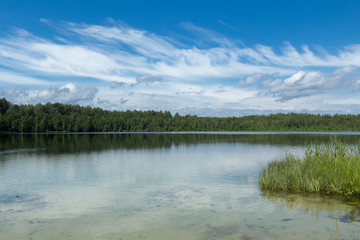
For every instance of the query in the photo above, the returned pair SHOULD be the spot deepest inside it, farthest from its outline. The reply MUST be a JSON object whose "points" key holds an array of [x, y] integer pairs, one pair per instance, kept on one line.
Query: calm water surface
{"points": [[160, 186]]}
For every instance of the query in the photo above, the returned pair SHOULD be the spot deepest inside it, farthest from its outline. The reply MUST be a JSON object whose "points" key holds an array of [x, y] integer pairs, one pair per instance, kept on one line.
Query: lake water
{"points": [[161, 186]]}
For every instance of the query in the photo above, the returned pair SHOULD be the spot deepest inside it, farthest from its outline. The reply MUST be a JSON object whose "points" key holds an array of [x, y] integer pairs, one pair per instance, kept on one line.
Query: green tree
{"points": [[4, 105]]}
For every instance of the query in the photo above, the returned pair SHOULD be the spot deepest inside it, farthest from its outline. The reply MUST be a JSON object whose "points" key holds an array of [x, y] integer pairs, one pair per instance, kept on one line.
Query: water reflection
{"points": [[352, 215], [157, 186], [345, 209], [73, 143]]}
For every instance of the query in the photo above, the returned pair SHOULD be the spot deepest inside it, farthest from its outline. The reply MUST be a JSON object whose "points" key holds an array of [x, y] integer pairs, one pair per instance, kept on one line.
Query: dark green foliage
{"points": [[4, 105], [59, 117]]}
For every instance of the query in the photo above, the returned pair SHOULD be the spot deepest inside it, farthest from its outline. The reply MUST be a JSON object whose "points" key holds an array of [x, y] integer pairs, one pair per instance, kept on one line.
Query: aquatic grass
{"points": [[330, 168]]}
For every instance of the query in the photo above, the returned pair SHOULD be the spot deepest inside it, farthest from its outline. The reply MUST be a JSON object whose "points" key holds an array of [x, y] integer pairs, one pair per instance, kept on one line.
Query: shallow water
{"points": [[160, 186]]}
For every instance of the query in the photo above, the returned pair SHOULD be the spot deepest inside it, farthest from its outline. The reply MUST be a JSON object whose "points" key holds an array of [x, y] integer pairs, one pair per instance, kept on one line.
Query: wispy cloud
{"points": [[226, 24], [120, 53], [12, 78], [136, 64]]}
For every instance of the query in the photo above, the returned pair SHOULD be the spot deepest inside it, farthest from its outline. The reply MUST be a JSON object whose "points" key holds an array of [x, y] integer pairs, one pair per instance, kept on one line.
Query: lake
{"points": [[161, 186]]}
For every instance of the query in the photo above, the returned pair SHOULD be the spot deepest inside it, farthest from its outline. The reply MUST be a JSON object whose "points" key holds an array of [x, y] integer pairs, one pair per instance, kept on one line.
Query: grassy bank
{"points": [[329, 168]]}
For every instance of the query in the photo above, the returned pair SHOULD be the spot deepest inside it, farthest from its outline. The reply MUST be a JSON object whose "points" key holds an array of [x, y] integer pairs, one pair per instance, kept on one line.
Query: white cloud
{"points": [[148, 79], [120, 53], [142, 70], [115, 84], [305, 83], [209, 36], [68, 93], [7, 78], [140, 41], [343, 101], [212, 100], [255, 78]]}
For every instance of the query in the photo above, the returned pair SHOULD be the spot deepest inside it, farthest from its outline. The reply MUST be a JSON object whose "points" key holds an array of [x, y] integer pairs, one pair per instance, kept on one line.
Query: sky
{"points": [[206, 58]]}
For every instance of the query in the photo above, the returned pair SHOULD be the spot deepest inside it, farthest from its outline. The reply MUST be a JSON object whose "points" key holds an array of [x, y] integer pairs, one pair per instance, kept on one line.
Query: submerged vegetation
{"points": [[345, 208], [327, 168], [58, 117]]}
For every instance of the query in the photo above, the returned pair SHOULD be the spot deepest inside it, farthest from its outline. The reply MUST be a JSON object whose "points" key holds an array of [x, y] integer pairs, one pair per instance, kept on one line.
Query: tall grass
{"points": [[329, 168]]}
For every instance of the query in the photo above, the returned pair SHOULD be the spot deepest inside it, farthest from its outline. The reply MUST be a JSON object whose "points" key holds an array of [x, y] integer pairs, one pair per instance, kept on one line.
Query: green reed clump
{"points": [[329, 168]]}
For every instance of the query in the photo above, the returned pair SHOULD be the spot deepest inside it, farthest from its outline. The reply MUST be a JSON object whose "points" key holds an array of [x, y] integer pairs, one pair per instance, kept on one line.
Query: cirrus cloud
{"points": [[140, 69]]}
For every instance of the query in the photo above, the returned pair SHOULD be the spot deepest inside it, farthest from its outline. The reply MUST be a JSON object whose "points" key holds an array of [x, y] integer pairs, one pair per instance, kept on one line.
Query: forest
{"points": [[58, 117]]}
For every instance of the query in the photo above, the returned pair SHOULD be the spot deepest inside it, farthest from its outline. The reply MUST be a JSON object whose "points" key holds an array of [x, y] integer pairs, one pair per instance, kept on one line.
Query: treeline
{"points": [[58, 117]]}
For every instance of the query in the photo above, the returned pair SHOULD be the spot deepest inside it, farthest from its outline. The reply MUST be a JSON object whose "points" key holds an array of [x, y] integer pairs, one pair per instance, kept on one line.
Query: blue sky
{"points": [[210, 58]]}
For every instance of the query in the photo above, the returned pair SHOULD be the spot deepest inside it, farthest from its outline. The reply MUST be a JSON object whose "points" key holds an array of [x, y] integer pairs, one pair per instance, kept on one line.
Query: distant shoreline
{"points": [[65, 118], [207, 132]]}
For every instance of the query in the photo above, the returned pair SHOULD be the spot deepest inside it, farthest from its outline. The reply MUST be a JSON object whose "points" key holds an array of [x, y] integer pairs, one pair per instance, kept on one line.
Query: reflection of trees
{"points": [[70, 143], [317, 204]]}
